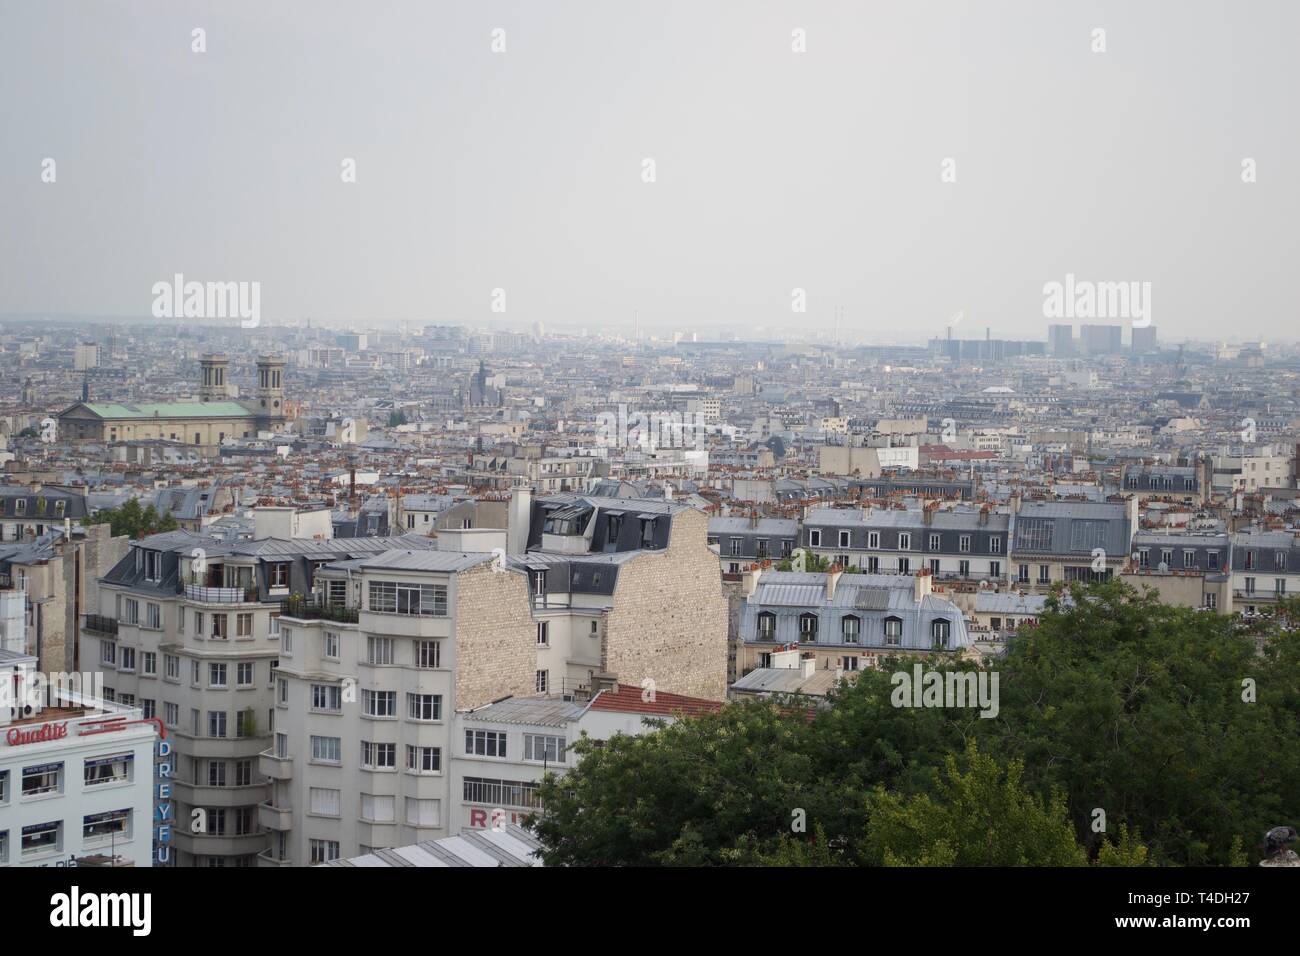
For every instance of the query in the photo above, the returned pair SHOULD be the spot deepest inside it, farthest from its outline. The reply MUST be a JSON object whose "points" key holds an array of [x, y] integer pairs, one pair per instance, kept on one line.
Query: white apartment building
{"points": [[76, 780], [188, 631]]}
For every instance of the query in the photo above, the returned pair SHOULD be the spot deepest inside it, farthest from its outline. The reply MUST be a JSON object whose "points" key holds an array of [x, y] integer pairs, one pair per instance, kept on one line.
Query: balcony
{"points": [[207, 595], [274, 818], [277, 768], [99, 624], [268, 858], [311, 611]]}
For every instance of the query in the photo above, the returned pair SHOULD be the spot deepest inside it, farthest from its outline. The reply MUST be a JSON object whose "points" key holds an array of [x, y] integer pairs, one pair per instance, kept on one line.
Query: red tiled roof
{"points": [[626, 698]]}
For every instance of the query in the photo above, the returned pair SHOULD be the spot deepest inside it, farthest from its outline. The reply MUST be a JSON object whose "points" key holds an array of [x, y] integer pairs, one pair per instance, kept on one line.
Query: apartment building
{"points": [[76, 777], [953, 546], [1055, 541], [188, 630], [374, 672], [1187, 570], [1265, 568], [845, 621], [1190, 483], [26, 514], [742, 541]]}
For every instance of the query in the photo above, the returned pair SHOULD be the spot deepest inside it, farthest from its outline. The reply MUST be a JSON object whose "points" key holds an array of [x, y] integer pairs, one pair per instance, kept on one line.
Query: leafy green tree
{"points": [[983, 816], [132, 520]]}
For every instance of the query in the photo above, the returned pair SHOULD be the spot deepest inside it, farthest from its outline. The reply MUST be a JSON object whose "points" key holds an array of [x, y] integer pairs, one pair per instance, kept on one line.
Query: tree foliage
{"points": [[132, 520], [1147, 734]]}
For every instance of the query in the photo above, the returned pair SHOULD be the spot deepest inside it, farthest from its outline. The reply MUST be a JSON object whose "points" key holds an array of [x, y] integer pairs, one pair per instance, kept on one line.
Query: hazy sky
{"points": [[774, 169]]}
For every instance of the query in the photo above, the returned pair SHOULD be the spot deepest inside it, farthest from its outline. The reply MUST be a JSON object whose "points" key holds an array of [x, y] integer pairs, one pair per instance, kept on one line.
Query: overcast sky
{"points": [[774, 170]]}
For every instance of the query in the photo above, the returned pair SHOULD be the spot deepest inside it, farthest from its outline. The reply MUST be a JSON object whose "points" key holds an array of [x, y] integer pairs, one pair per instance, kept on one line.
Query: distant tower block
{"points": [[213, 387], [270, 391]]}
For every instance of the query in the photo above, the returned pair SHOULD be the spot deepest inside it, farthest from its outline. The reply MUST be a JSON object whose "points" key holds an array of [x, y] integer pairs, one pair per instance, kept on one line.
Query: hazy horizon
{"points": [[775, 170]]}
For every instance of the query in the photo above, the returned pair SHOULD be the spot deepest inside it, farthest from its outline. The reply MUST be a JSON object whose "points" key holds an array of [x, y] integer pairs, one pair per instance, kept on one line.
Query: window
{"points": [[904, 541], [326, 803], [148, 663], [331, 645], [148, 707], [327, 697], [326, 749], [284, 690], [1189, 559], [153, 616], [544, 747], [904, 565], [42, 838], [198, 624], [934, 566], [323, 851], [379, 650], [104, 770], [851, 627], [501, 793], [736, 545], [934, 542], [107, 652], [42, 778], [1044, 574], [849, 663], [103, 827], [171, 714], [1212, 560], [963, 544], [130, 611], [995, 569], [274, 622], [243, 773], [428, 654], [424, 759], [379, 809], [893, 631], [194, 673], [216, 675], [286, 641], [392, 597], [540, 681], [543, 633], [1034, 534], [485, 743], [379, 703], [216, 773], [1022, 573], [423, 812], [940, 630], [378, 756], [814, 538], [995, 545], [279, 575], [243, 625], [216, 723], [424, 706], [963, 569], [244, 673], [846, 538], [766, 626], [128, 659], [220, 631], [873, 539]]}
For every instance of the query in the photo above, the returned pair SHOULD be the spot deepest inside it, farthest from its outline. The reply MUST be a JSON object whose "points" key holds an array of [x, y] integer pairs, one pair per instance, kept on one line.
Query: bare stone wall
{"points": [[496, 639], [669, 621]]}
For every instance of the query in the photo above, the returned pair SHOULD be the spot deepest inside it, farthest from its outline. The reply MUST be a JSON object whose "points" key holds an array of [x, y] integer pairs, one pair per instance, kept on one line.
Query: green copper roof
{"points": [[170, 410]]}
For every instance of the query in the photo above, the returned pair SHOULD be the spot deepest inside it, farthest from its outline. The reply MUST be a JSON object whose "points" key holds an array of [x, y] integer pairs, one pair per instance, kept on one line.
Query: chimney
{"points": [[922, 585], [749, 580], [832, 577], [927, 513], [984, 515], [809, 665]]}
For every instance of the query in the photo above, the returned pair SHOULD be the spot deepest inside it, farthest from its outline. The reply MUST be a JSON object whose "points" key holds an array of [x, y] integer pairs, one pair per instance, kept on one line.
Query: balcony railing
{"points": [[100, 624], [312, 611], [245, 595]]}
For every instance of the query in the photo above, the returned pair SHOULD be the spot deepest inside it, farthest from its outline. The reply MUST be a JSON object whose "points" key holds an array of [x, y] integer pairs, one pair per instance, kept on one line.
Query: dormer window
{"points": [[153, 565], [940, 631], [766, 626], [808, 627]]}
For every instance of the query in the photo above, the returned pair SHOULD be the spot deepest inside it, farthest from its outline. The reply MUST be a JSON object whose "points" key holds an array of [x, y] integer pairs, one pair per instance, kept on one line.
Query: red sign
{"points": [[37, 735]]}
